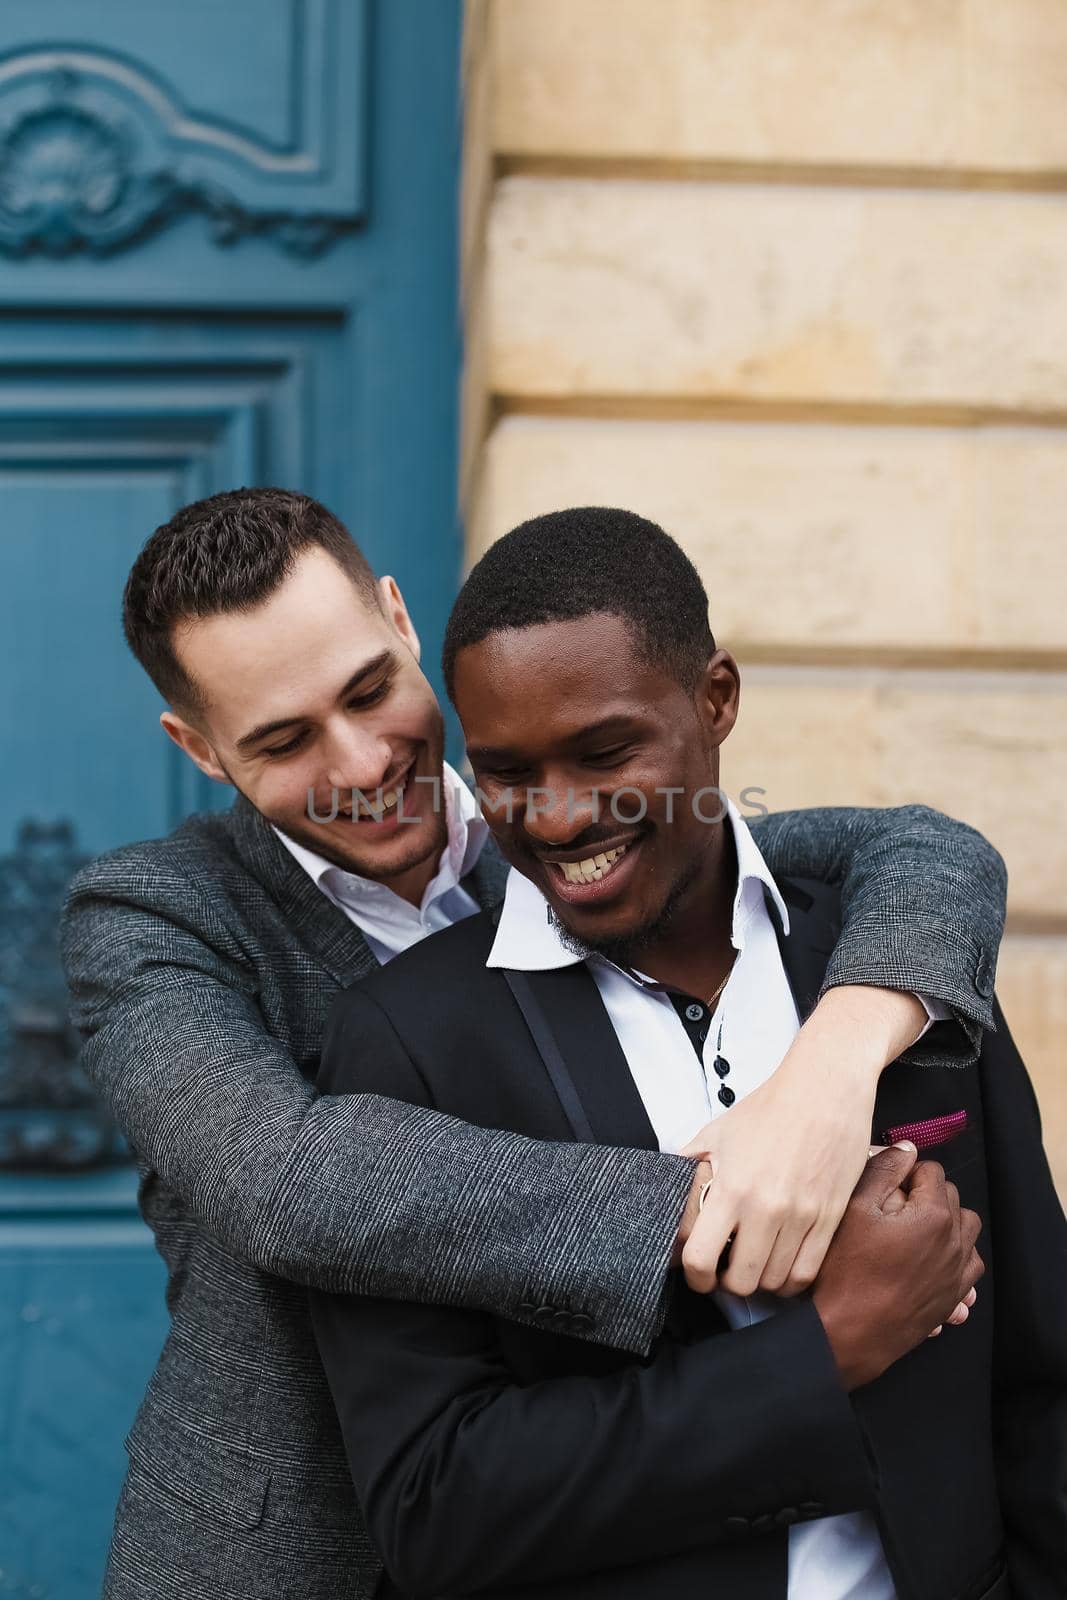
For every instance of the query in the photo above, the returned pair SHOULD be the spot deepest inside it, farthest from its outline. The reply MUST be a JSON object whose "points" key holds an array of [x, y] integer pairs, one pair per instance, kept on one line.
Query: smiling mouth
{"points": [[379, 810], [593, 868]]}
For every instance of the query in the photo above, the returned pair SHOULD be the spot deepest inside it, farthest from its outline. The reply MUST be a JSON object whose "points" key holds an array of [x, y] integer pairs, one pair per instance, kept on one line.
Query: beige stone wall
{"points": [[792, 279]]}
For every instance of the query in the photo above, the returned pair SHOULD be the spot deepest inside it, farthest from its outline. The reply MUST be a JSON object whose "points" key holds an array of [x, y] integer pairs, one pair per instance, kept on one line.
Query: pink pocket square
{"points": [[934, 1130]]}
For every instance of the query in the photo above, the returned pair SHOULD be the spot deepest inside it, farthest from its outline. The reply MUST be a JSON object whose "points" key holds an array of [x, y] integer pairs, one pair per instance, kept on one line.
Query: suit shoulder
{"points": [[201, 844], [447, 963]]}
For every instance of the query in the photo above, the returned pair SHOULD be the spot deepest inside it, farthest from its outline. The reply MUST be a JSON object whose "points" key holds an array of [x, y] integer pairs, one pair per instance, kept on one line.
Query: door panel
{"points": [[97, 447], [227, 255]]}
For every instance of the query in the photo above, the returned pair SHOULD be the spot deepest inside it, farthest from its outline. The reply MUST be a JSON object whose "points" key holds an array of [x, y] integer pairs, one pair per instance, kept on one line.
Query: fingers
{"points": [[927, 1183], [753, 1245], [961, 1313], [974, 1272], [809, 1260], [970, 1228], [707, 1242], [886, 1171]]}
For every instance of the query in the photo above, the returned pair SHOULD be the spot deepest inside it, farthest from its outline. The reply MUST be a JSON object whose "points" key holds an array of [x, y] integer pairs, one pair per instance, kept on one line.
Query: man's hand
{"points": [[898, 1265], [787, 1157]]}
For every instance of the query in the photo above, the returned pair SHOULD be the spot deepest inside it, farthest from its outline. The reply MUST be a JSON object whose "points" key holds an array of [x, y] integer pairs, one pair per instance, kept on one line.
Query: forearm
{"points": [[923, 900], [362, 1194], [612, 1470], [865, 1027]]}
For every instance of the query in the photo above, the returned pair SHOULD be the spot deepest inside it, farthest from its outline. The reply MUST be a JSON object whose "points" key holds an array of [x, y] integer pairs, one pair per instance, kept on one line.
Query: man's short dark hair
{"points": [[226, 553], [570, 564]]}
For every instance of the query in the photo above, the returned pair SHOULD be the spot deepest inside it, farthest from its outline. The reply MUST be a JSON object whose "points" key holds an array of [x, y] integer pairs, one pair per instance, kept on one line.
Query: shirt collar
{"points": [[527, 939], [467, 833]]}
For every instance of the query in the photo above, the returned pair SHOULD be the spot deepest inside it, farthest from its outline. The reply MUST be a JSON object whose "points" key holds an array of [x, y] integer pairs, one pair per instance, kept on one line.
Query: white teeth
{"points": [[593, 868], [371, 812]]}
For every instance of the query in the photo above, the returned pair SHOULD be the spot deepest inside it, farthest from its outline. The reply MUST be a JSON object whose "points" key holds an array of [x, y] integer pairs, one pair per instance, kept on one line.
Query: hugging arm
{"points": [[922, 906], [331, 1190]]}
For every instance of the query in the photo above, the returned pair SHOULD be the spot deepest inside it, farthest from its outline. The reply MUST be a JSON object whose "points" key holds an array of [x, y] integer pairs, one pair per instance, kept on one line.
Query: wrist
{"points": [[877, 1025], [843, 1347]]}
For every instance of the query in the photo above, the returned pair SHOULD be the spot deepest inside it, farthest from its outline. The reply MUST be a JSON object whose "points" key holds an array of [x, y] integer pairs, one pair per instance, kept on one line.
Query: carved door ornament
{"points": [[49, 1117], [95, 154]]}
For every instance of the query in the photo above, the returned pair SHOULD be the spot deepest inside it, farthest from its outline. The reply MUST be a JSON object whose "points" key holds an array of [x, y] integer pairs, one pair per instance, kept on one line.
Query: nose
{"points": [[556, 813], [356, 758]]}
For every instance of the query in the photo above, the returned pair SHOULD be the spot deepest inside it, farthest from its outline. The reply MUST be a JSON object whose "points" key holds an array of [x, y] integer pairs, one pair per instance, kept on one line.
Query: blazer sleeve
{"points": [[1029, 1237], [922, 902], [332, 1191], [469, 1479]]}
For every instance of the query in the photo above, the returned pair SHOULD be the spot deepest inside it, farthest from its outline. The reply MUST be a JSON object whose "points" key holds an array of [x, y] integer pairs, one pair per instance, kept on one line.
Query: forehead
{"points": [[287, 651], [551, 680]]}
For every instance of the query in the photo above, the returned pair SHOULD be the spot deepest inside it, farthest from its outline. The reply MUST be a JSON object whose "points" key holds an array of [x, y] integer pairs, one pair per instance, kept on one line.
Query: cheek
{"points": [[283, 791], [412, 712]]}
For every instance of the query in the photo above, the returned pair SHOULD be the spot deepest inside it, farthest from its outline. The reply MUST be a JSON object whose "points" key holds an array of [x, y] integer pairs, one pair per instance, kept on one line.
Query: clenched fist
{"points": [[896, 1266]]}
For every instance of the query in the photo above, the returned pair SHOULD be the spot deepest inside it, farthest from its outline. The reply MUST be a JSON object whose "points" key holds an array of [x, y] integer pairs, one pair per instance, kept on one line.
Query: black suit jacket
{"points": [[491, 1457]]}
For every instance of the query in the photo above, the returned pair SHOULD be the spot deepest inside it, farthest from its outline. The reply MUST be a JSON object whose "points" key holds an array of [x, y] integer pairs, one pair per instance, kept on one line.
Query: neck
{"points": [[412, 885], [694, 952]]}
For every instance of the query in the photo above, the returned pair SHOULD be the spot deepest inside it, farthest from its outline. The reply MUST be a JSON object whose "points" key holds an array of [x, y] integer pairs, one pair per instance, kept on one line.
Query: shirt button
{"points": [[694, 1012], [726, 1095]]}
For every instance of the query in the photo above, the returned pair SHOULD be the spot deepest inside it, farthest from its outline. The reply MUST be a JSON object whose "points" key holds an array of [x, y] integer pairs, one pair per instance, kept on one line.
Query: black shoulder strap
{"points": [[544, 1039]]}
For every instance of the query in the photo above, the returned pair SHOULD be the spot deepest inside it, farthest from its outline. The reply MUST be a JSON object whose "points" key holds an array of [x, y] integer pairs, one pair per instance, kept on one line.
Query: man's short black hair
{"points": [[226, 553], [570, 564]]}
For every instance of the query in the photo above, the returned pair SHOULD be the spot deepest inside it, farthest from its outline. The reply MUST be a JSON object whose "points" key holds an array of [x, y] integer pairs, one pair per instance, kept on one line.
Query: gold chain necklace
{"points": [[710, 1001]]}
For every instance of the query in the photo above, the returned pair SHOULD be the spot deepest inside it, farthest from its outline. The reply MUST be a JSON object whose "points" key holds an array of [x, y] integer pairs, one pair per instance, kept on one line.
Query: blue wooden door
{"points": [[227, 256]]}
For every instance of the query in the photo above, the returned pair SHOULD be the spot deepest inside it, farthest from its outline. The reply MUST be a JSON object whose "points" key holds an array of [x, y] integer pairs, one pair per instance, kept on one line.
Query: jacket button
{"points": [[984, 975], [763, 1523], [542, 1313], [811, 1508], [787, 1516], [738, 1525], [582, 1319]]}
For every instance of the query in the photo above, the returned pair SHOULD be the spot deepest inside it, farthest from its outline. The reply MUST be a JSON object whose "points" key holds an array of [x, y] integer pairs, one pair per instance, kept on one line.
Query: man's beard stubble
{"points": [[625, 952], [355, 864]]}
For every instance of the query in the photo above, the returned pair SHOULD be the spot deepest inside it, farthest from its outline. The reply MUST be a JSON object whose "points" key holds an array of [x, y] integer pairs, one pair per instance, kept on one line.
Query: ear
{"points": [[397, 613], [196, 747], [718, 695]]}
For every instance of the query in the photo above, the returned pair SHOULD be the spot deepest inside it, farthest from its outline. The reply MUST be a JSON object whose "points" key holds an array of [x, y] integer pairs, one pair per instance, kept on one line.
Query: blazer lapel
{"points": [[314, 920], [815, 926], [583, 1057], [487, 879], [813, 933]]}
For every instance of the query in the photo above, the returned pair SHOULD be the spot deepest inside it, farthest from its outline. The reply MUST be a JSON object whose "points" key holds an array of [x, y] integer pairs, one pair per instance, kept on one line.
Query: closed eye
{"points": [[290, 746], [357, 702], [608, 758]]}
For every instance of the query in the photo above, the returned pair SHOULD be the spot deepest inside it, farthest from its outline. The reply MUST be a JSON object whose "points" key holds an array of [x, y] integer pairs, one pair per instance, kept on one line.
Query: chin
{"points": [[598, 933]]}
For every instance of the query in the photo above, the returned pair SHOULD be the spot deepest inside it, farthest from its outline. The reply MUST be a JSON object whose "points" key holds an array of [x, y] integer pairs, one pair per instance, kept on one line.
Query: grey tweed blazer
{"points": [[201, 967]]}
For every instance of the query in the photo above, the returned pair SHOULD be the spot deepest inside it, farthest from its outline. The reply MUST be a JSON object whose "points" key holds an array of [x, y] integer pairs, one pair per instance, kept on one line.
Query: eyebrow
{"points": [[618, 723], [369, 669]]}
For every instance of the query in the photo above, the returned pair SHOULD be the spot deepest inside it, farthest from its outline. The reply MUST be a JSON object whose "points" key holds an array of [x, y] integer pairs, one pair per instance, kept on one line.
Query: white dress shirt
{"points": [[833, 1558], [389, 923]]}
